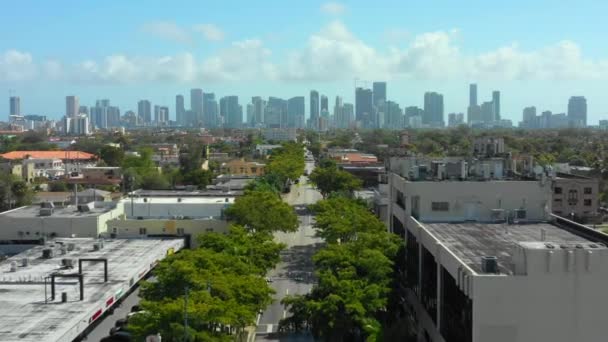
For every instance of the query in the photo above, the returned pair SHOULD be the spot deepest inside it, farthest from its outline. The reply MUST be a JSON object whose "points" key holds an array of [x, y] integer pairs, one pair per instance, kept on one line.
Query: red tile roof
{"points": [[359, 158], [73, 155]]}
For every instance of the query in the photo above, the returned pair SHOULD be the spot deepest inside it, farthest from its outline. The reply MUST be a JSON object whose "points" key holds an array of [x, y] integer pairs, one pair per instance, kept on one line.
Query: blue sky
{"points": [[535, 52]]}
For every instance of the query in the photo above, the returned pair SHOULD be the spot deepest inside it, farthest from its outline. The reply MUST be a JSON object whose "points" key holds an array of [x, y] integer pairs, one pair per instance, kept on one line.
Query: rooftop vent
{"points": [[47, 204], [25, 262], [71, 246], [46, 211], [13, 266], [68, 263], [83, 208], [47, 253], [179, 200], [489, 264]]}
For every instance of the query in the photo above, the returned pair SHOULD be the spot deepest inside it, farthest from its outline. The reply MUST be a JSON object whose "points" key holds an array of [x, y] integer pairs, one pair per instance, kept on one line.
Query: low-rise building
{"points": [[242, 167], [263, 150], [486, 259], [91, 195], [575, 197], [280, 134], [36, 222], [172, 213]]}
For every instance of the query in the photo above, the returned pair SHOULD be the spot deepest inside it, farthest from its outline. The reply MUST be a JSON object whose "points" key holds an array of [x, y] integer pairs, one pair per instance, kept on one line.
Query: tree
{"points": [[258, 249], [287, 162], [112, 156], [341, 219], [328, 179], [14, 192], [356, 276], [263, 212]]}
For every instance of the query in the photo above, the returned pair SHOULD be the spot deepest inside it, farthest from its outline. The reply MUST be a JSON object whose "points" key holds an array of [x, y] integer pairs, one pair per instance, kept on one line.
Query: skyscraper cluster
{"points": [[576, 116], [485, 115], [372, 109]]}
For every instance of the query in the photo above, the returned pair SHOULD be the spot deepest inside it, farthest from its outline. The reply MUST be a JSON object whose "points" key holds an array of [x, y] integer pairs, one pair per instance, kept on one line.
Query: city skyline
{"points": [[166, 51]]}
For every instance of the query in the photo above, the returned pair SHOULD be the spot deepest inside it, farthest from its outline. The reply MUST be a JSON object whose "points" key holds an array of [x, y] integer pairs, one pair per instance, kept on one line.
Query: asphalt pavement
{"points": [[294, 274], [102, 329]]}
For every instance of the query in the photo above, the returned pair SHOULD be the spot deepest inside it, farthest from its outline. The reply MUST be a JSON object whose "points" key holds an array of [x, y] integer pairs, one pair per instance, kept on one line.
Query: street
{"points": [[102, 329], [294, 274]]}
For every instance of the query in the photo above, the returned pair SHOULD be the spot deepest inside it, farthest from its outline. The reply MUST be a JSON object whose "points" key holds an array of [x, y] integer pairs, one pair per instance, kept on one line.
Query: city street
{"points": [[294, 274]]}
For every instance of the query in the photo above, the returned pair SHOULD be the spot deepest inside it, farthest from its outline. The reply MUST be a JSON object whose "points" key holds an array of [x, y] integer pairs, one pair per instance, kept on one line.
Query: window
{"points": [[114, 230], [254, 170], [180, 231], [557, 202], [557, 191], [440, 206], [587, 203], [588, 191], [573, 197], [400, 200], [142, 231], [209, 230]]}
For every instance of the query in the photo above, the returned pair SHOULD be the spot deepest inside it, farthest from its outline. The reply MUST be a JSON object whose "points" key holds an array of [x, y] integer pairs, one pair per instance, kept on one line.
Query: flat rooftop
{"points": [[27, 316], [185, 193], [69, 211], [179, 200], [469, 241]]}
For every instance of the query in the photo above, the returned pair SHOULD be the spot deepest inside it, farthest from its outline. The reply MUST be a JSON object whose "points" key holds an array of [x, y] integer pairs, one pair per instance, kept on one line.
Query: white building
{"points": [[280, 134], [33, 223], [47, 168], [486, 261]]}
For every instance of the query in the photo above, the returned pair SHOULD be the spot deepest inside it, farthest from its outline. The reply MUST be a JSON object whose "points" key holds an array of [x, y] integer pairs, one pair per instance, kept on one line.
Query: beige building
{"points": [[24, 171], [575, 195], [242, 167], [155, 227]]}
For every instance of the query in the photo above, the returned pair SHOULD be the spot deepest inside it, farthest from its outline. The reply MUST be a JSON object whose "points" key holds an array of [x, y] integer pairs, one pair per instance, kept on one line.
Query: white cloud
{"points": [[333, 8], [169, 31], [334, 53], [17, 66], [210, 32]]}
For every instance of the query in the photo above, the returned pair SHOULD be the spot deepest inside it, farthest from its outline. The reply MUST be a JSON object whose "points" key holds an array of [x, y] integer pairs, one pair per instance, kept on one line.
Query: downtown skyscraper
{"points": [[180, 111], [296, 112], [363, 106], [433, 110], [14, 105], [196, 107], [144, 111], [577, 111], [314, 110], [71, 106], [231, 111]]}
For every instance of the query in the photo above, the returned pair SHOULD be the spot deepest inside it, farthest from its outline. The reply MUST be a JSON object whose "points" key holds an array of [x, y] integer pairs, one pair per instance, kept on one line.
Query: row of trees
{"points": [[286, 163], [356, 273], [222, 281]]}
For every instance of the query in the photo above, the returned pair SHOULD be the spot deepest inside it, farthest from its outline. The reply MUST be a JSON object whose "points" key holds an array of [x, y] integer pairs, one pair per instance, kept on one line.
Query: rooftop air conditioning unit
{"points": [[179, 199], [46, 211], [489, 264], [498, 215], [47, 253], [68, 263], [520, 214], [83, 208]]}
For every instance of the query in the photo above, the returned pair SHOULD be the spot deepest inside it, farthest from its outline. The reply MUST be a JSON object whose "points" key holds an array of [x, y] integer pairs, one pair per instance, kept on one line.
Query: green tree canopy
{"points": [[112, 156], [263, 212], [328, 178]]}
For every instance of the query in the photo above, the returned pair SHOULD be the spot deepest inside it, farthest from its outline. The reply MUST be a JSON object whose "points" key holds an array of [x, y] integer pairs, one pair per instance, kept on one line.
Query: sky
{"points": [[536, 52]]}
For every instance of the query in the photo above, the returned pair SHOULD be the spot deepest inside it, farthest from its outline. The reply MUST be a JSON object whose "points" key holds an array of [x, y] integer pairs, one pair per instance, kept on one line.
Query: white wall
{"points": [[478, 197]]}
